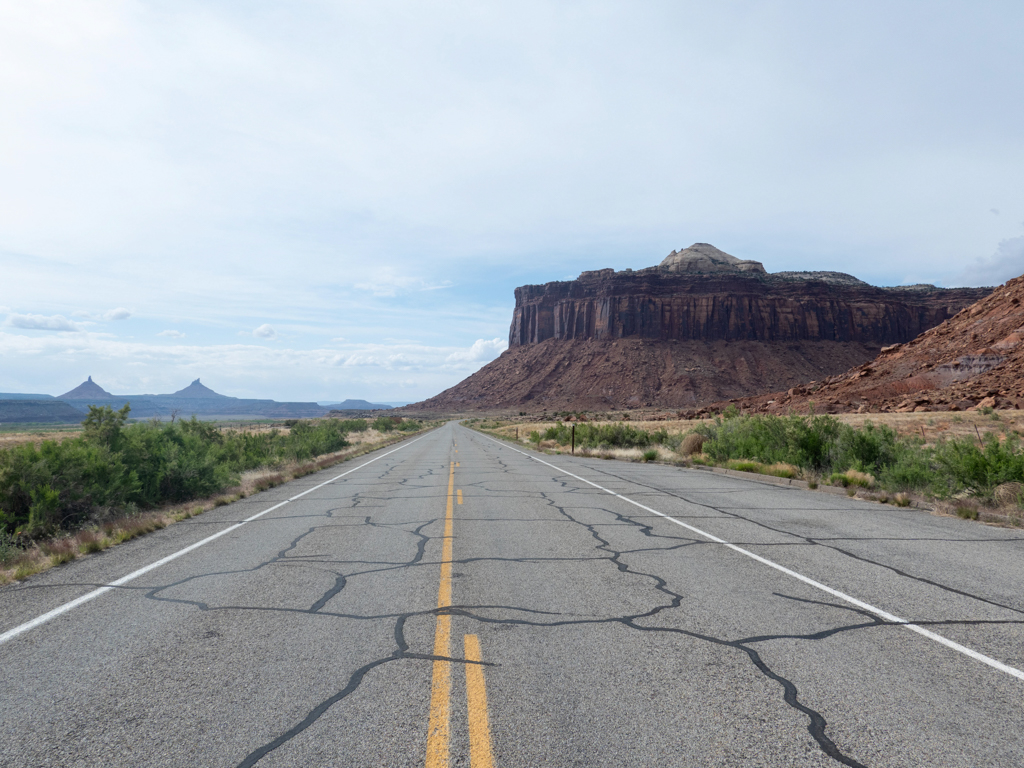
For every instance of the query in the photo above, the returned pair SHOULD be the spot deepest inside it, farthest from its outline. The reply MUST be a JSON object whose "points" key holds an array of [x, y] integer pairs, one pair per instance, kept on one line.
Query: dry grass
{"points": [[692, 443], [13, 439], [107, 533], [852, 477]]}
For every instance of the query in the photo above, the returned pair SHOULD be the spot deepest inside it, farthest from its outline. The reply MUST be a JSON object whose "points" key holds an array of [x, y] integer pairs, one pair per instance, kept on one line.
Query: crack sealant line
{"points": [[892, 618], [22, 628]]}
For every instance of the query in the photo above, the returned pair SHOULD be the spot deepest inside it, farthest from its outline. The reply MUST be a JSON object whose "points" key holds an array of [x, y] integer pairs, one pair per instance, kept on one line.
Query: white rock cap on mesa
{"points": [[703, 258]]}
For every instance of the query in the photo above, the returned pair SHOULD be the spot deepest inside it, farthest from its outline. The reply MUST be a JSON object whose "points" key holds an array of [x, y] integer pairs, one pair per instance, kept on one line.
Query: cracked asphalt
{"points": [[609, 636]]}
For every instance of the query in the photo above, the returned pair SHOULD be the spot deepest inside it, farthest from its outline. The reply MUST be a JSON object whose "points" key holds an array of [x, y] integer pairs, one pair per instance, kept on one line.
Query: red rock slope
{"points": [[589, 375], [975, 358]]}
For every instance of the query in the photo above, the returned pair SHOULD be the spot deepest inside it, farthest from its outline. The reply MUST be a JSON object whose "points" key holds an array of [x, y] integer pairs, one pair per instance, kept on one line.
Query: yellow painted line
{"points": [[456, 463], [476, 698], [441, 683], [460, 495]]}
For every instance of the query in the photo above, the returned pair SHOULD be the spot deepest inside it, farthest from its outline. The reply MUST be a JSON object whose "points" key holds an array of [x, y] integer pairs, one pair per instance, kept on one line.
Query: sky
{"points": [[317, 201]]}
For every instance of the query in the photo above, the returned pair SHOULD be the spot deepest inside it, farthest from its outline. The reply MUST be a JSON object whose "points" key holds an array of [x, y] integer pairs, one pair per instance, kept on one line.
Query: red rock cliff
{"points": [[729, 307]]}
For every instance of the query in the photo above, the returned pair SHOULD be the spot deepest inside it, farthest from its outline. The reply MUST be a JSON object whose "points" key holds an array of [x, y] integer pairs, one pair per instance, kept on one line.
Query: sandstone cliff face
{"points": [[737, 306], [699, 327]]}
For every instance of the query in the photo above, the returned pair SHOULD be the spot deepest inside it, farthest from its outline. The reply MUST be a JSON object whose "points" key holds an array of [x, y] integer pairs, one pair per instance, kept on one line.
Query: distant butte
{"points": [[196, 390], [87, 390], [701, 326]]}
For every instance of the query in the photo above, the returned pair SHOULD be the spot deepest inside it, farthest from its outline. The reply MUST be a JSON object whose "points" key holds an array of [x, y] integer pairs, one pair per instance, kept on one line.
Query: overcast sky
{"points": [[322, 200]]}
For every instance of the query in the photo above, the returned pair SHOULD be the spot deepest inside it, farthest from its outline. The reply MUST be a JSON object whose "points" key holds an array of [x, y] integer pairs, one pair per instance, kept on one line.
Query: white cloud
{"points": [[1006, 263], [264, 332], [387, 281], [42, 322], [172, 334], [483, 350], [117, 314]]}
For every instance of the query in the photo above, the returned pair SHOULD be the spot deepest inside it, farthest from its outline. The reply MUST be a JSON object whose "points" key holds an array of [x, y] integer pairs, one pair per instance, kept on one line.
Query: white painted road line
{"points": [[22, 628], [800, 577]]}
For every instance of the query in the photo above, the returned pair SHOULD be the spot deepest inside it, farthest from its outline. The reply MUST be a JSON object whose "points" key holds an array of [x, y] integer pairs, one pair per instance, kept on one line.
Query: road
{"points": [[456, 600]]}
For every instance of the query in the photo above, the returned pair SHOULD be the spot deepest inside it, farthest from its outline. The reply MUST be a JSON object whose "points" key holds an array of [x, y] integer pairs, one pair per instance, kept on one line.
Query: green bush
{"points": [[116, 465], [966, 467], [9, 548], [388, 423], [824, 445]]}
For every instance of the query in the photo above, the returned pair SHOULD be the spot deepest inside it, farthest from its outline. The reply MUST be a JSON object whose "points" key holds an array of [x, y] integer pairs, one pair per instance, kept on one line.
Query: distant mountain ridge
{"points": [[195, 399]]}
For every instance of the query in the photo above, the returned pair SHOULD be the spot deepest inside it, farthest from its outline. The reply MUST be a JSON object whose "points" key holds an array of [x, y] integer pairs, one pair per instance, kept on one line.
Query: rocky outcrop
{"points": [[974, 359], [697, 295], [700, 327], [705, 259]]}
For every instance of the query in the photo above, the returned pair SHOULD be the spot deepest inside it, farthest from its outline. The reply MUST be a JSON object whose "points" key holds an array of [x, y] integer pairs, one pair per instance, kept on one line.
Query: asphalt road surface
{"points": [[456, 600]]}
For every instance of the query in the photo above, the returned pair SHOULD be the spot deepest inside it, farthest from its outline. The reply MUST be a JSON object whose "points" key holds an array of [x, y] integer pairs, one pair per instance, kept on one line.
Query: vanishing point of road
{"points": [[460, 601]]}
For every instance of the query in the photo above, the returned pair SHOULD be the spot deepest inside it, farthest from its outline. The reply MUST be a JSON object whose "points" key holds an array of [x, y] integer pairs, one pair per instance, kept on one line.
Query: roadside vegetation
{"points": [[965, 472], [116, 480]]}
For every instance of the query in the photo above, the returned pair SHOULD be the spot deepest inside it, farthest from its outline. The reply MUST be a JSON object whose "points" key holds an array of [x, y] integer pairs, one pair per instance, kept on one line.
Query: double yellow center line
{"points": [[439, 728]]}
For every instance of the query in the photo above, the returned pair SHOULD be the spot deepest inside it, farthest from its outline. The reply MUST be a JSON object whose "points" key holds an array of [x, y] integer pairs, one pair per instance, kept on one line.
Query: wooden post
{"points": [[573, 439]]}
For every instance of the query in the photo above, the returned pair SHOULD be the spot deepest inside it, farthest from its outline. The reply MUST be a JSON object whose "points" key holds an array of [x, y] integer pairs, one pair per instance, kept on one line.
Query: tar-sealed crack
{"points": [[821, 542]]}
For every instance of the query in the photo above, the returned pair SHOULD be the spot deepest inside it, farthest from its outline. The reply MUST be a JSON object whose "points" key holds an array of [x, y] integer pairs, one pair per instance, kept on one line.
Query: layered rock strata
{"points": [[699, 327], [733, 302]]}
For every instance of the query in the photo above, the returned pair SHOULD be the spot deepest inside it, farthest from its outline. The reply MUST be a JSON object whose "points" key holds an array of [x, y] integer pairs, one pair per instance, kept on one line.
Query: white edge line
{"points": [[38, 620], [1013, 671]]}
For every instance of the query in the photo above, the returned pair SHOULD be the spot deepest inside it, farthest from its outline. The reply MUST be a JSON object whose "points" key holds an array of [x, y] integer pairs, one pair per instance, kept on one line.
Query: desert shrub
{"points": [[781, 469], [119, 466], [967, 511], [964, 466], [853, 477], [822, 444], [1009, 494], [384, 423], [743, 465], [692, 443], [9, 549], [649, 455], [617, 435], [354, 425]]}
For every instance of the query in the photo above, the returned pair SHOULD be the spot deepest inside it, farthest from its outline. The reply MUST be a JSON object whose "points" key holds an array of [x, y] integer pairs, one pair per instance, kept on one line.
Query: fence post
{"points": [[573, 439]]}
